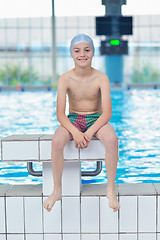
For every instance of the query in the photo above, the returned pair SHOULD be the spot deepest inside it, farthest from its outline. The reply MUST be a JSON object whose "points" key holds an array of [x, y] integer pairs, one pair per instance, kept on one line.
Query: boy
{"points": [[89, 113]]}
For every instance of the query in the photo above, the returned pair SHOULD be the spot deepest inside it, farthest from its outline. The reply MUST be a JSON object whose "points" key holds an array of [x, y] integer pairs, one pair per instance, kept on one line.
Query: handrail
{"points": [[32, 172], [83, 173], [93, 173]]}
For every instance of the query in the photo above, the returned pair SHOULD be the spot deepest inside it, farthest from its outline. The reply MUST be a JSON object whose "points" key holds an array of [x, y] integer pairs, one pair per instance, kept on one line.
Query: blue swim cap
{"points": [[81, 38]]}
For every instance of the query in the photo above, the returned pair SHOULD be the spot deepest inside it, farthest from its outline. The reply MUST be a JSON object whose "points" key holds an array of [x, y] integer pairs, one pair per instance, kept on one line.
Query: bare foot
{"points": [[50, 201], [113, 201]]}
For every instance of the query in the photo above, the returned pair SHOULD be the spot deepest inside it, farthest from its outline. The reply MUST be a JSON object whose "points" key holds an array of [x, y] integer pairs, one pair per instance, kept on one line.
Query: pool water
{"points": [[135, 118]]}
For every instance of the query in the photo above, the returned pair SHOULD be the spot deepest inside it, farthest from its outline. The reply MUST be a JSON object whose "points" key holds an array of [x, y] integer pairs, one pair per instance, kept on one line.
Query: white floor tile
{"points": [[71, 179], [128, 214], [15, 215], [71, 214], [52, 219], [147, 236], [109, 236], [94, 150], [52, 237], [70, 151], [147, 214], [71, 236], [48, 184], [21, 150], [45, 150], [2, 237], [33, 214], [2, 214], [90, 237], [15, 237], [128, 236], [109, 219], [34, 236], [90, 214], [158, 236]]}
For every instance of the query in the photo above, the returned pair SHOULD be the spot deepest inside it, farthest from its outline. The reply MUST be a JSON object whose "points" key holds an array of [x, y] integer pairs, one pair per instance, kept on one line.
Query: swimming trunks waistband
{"points": [[83, 122]]}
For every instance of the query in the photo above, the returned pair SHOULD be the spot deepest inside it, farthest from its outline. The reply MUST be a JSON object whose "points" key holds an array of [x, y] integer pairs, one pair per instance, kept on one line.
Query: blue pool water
{"points": [[135, 117]]}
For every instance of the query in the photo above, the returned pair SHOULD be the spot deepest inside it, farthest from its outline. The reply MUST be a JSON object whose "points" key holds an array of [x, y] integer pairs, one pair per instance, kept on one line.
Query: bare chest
{"points": [[81, 91]]}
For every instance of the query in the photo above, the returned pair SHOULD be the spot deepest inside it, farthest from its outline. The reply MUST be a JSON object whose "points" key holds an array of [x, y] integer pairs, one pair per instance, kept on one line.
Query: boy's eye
{"points": [[87, 50]]}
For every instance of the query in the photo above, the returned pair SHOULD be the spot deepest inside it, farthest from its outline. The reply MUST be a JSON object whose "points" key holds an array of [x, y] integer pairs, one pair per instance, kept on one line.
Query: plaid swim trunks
{"points": [[83, 122]]}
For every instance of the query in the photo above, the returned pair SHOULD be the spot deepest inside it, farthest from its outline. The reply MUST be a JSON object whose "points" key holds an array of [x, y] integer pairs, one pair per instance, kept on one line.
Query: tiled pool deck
{"points": [[84, 217]]}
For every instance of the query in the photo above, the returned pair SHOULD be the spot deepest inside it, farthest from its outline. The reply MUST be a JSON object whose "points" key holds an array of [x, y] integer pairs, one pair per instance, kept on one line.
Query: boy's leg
{"points": [[108, 137], [60, 138]]}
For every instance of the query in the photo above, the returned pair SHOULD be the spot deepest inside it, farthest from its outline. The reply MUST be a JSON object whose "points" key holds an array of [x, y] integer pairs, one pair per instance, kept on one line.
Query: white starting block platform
{"points": [[37, 148]]}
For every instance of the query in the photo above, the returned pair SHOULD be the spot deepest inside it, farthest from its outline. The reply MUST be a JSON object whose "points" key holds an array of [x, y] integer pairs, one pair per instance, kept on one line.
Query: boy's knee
{"points": [[57, 143], [112, 140]]}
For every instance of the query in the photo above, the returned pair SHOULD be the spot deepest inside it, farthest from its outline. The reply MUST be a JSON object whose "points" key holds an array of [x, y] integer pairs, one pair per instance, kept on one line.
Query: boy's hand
{"points": [[80, 140], [88, 136]]}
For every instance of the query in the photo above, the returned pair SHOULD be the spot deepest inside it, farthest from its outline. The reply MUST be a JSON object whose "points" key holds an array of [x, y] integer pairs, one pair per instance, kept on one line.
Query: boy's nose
{"points": [[82, 53]]}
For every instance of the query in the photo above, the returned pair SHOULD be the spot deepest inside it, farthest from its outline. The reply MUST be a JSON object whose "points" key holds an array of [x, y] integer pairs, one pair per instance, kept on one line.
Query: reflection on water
{"points": [[135, 117]]}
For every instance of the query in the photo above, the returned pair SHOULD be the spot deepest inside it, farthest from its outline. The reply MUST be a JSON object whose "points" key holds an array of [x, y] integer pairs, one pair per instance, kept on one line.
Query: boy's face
{"points": [[82, 54]]}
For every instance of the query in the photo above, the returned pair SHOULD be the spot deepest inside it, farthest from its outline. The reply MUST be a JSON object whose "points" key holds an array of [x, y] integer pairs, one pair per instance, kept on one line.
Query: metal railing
{"points": [[83, 173]]}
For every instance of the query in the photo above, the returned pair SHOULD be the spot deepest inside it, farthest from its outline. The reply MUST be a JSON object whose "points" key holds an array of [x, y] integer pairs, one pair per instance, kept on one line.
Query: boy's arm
{"points": [[61, 105], [79, 139], [106, 108]]}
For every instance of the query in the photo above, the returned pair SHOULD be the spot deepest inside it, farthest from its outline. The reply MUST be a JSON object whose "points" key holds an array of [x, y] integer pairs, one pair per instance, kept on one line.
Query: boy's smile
{"points": [[82, 52], [82, 59]]}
